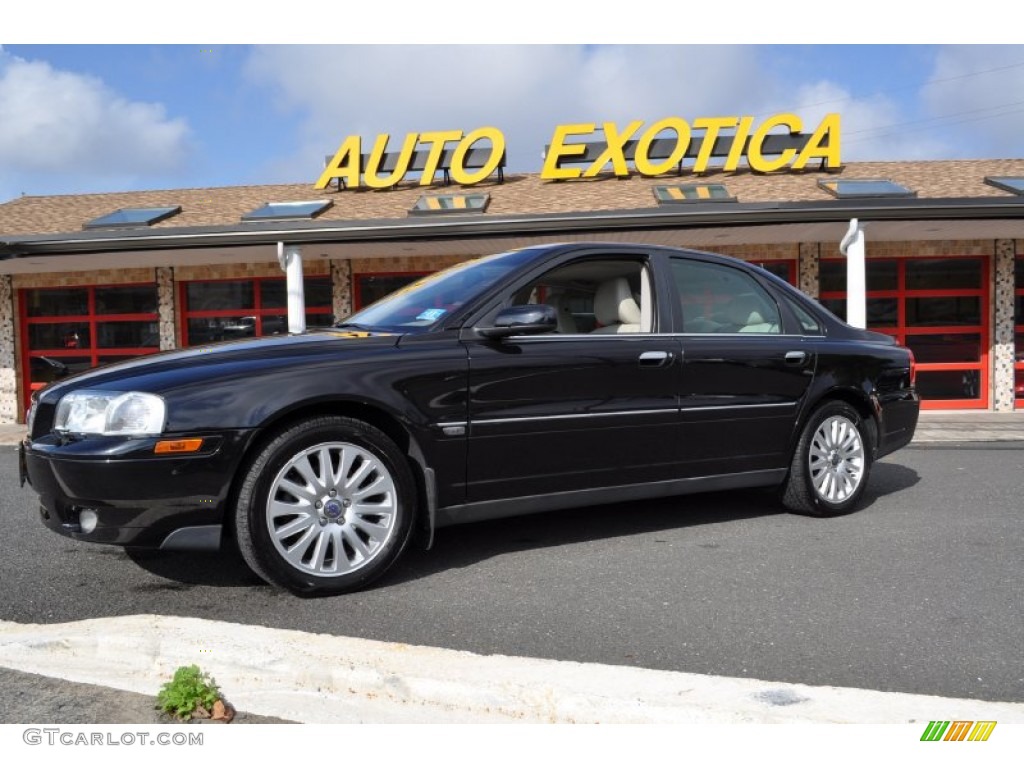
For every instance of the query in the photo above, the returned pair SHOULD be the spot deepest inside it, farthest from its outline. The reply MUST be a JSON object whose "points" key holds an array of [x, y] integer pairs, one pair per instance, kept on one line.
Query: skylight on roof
{"points": [[431, 204], [134, 217], [692, 193], [845, 188], [300, 209], [1013, 184]]}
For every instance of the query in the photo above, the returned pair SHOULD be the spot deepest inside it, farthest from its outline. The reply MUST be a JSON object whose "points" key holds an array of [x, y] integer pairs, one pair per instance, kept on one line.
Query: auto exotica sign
{"points": [[777, 143]]}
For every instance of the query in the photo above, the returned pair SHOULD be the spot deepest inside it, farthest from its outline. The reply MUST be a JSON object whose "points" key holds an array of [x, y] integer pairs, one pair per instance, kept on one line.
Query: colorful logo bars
{"points": [[958, 730]]}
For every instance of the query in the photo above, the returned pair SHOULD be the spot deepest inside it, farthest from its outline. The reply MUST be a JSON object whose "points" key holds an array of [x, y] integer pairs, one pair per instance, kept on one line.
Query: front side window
{"points": [[597, 295], [721, 299]]}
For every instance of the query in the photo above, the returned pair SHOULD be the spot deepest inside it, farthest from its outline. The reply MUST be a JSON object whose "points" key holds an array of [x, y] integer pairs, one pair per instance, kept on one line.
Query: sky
{"points": [[163, 114]]}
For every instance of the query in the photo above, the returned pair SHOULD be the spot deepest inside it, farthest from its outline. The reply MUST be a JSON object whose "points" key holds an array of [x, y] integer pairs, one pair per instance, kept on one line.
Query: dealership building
{"points": [[87, 279]]}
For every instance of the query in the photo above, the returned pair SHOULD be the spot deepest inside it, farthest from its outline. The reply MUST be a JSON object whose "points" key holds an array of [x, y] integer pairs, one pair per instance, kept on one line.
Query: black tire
{"points": [[325, 507], [831, 464]]}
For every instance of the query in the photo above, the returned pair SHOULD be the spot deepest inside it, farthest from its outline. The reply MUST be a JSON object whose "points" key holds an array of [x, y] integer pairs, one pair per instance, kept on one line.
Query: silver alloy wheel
{"points": [[331, 509], [836, 459]]}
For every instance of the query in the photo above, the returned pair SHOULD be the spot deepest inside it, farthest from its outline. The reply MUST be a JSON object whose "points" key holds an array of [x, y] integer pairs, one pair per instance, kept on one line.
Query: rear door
{"points": [[743, 376]]}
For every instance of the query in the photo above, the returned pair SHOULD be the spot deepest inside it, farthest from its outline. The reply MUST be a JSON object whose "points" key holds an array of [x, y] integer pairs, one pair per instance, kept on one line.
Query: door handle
{"points": [[654, 359], [796, 358]]}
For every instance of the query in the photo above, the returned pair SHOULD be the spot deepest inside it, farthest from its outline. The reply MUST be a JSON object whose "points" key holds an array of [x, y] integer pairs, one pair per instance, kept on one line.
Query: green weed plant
{"points": [[189, 689]]}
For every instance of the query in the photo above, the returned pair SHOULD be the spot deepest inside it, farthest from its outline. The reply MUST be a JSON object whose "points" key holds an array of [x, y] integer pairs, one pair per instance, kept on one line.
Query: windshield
{"points": [[426, 302]]}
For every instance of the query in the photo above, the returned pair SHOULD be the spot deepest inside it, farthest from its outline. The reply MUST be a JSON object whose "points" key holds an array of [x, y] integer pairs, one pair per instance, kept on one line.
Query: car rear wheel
{"points": [[830, 466], [325, 507]]}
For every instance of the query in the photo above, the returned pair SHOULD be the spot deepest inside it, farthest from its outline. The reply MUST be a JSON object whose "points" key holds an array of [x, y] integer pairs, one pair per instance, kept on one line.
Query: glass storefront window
{"points": [[73, 329], [946, 347], [949, 385], [128, 333], [222, 310], [951, 310], [51, 302], [944, 274], [936, 306], [212, 295], [53, 336], [883, 313], [880, 274], [126, 300]]}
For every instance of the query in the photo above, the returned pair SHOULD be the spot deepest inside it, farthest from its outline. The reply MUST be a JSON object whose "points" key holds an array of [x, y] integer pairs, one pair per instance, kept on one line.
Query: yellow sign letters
{"points": [[567, 157]]}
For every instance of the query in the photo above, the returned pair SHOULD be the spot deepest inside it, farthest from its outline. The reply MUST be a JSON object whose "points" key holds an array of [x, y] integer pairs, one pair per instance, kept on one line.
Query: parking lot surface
{"points": [[918, 592]]}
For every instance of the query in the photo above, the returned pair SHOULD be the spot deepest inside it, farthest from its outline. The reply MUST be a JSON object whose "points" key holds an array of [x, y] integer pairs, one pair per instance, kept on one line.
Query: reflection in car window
{"points": [[718, 299], [421, 305]]}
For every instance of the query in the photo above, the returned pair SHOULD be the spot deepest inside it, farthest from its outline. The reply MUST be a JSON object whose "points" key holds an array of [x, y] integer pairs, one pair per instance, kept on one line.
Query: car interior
{"points": [[606, 296]]}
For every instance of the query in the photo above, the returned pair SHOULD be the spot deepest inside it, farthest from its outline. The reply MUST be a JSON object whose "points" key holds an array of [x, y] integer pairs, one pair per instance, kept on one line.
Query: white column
{"points": [[290, 258], [852, 247]]}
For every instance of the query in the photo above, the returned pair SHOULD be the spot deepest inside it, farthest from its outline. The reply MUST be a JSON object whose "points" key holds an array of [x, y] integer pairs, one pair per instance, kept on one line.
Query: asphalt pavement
{"points": [[91, 688]]}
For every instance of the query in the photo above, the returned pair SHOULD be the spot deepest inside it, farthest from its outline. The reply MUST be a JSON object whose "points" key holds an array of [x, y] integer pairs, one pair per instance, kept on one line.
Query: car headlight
{"points": [[92, 412]]}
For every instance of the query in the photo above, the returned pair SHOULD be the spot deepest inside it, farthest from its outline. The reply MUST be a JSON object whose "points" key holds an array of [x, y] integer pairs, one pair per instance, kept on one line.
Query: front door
{"points": [[592, 405]]}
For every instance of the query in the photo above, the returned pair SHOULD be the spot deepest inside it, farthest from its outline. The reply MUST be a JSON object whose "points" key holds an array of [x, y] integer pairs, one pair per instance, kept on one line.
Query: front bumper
{"points": [[138, 499]]}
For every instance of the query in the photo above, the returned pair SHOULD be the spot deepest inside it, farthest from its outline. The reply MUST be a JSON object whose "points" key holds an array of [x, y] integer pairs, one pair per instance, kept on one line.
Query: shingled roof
{"points": [[525, 194]]}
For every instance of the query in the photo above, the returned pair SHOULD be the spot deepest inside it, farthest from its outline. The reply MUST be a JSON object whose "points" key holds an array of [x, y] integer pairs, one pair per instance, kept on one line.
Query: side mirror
{"points": [[525, 319]]}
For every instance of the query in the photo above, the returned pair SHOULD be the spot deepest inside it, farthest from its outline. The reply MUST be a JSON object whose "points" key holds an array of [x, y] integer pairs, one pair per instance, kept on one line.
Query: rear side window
{"points": [[720, 299], [808, 325]]}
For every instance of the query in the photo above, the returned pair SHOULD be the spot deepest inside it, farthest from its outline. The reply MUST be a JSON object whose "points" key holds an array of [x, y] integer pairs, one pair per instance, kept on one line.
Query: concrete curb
{"points": [[316, 678]]}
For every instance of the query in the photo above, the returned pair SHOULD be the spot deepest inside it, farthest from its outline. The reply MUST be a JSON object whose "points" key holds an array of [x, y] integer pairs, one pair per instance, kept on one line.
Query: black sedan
{"points": [[538, 379]]}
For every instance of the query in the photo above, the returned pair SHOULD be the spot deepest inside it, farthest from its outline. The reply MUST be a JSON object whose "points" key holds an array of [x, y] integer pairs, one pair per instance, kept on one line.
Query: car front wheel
{"points": [[325, 507], [830, 466]]}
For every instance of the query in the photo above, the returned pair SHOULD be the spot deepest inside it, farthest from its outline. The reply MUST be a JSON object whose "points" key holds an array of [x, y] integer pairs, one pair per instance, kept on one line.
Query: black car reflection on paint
{"points": [[538, 379]]}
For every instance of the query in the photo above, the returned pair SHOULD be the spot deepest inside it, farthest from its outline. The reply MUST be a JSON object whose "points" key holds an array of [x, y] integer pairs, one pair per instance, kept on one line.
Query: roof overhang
{"points": [[703, 223]]}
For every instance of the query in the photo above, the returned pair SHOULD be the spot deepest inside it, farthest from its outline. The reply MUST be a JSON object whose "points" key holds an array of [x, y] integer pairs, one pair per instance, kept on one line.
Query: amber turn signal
{"points": [[188, 445]]}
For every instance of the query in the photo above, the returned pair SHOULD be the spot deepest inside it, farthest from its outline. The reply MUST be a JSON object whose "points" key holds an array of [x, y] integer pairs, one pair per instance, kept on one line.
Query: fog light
{"points": [[87, 520]]}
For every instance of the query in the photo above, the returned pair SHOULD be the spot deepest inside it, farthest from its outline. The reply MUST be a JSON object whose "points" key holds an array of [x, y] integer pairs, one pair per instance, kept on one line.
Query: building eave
{"points": [[485, 225]]}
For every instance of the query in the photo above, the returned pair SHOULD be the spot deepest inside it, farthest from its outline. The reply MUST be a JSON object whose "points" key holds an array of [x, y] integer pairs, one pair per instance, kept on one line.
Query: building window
{"points": [[692, 193], [852, 188], [133, 217], [373, 286], [937, 307], [220, 310], [1014, 184], [72, 329], [305, 209], [433, 204]]}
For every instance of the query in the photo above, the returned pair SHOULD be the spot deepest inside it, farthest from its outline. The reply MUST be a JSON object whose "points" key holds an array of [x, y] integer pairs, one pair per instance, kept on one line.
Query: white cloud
{"points": [[874, 127], [57, 122], [975, 97], [338, 91]]}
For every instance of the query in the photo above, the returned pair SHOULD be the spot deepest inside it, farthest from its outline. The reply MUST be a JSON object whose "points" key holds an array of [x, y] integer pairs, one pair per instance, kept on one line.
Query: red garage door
{"points": [[937, 306]]}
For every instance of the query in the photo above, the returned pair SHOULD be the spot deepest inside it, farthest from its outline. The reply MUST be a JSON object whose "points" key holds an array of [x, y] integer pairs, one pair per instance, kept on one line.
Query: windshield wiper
{"points": [[354, 326]]}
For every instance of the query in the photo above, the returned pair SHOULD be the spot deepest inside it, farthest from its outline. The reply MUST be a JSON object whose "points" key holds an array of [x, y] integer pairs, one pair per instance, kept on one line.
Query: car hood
{"points": [[166, 370]]}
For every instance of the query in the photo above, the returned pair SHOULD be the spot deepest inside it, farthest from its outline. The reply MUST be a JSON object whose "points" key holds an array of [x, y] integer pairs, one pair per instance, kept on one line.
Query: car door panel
{"points": [[549, 414], [739, 399]]}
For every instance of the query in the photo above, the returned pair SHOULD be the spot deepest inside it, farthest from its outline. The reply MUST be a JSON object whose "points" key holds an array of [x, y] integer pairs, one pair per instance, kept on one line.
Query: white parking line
{"points": [[315, 678]]}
